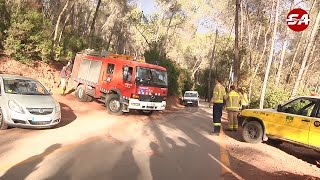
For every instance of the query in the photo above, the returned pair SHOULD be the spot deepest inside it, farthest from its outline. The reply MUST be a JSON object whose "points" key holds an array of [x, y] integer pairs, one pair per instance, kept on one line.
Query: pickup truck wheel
{"points": [[81, 94], [113, 105], [252, 132], [145, 112], [3, 125]]}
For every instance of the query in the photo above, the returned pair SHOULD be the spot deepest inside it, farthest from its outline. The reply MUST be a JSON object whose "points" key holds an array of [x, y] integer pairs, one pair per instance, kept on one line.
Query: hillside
{"points": [[47, 74]]}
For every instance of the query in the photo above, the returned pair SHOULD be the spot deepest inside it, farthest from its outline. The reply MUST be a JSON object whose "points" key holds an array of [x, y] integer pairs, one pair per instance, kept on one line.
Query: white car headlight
{"points": [[57, 108], [15, 107]]}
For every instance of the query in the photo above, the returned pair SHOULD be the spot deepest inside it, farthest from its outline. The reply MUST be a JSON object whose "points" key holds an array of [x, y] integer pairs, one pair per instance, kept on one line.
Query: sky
{"points": [[149, 6]]}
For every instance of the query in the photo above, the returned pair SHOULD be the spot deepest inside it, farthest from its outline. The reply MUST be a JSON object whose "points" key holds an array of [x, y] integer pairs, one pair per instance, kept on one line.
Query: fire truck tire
{"points": [[113, 105], [144, 112], [81, 95]]}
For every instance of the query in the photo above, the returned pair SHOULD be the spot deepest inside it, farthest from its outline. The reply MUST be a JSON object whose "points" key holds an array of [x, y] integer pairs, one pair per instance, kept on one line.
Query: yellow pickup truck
{"points": [[296, 121]]}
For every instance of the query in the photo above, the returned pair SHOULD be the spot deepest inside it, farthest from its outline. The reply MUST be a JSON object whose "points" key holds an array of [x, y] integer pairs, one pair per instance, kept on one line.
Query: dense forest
{"points": [[194, 40]]}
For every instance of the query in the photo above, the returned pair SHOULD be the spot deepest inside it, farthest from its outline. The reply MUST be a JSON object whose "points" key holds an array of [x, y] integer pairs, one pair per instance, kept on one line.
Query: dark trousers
{"points": [[217, 113]]}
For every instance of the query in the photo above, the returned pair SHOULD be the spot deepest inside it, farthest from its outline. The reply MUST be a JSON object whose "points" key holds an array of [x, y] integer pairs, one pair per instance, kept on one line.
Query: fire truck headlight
{"points": [[135, 96]]}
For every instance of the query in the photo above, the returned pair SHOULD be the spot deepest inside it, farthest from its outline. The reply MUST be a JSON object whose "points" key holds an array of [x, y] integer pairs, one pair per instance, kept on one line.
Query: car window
{"points": [[300, 106], [24, 87]]}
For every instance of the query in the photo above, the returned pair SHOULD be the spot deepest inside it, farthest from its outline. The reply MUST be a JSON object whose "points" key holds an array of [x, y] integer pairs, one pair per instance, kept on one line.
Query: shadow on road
{"points": [[195, 155], [67, 115], [26, 167], [236, 135]]}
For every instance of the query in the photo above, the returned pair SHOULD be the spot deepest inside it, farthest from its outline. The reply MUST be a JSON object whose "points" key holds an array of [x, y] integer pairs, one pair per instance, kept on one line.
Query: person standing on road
{"points": [[64, 78], [217, 100], [233, 102], [244, 98]]}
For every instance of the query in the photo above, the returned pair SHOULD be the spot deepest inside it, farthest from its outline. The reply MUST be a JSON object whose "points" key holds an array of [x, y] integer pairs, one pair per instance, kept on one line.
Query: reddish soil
{"points": [[47, 74], [173, 103]]}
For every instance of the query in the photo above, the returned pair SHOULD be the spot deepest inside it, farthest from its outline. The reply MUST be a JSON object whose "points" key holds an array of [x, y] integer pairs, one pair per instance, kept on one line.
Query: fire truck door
{"points": [[127, 73], [108, 75]]}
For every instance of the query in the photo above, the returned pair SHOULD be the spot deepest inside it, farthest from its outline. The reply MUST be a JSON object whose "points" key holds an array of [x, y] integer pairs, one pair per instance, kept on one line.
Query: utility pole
{"points": [[236, 63], [211, 62]]}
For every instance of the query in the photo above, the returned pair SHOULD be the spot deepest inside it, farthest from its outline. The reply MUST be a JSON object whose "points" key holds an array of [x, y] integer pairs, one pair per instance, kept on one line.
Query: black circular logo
{"points": [[41, 111], [316, 123]]}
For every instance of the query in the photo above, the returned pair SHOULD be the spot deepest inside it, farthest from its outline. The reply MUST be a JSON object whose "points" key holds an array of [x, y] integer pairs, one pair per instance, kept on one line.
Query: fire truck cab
{"points": [[122, 82]]}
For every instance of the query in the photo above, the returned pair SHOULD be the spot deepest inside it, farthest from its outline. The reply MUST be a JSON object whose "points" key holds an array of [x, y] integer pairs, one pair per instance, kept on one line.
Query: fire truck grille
{"points": [[149, 98]]}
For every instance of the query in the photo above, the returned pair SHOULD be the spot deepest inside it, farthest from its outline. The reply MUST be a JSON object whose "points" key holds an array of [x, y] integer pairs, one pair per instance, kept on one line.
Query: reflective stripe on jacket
{"points": [[218, 93], [233, 101], [244, 99]]}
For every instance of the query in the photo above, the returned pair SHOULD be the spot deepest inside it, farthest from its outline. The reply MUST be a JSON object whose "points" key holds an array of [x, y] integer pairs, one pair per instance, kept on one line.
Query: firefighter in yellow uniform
{"points": [[244, 98], [217, 100], [233, 102]]}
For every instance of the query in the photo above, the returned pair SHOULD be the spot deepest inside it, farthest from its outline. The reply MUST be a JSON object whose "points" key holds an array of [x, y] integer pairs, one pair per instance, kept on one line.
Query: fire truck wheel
{"points": [[144, 112], [113, 105], [81, 95]]}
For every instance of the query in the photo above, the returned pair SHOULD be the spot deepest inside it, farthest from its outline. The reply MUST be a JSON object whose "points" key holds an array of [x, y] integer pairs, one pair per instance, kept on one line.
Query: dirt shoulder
{"points": [[265, 161]]}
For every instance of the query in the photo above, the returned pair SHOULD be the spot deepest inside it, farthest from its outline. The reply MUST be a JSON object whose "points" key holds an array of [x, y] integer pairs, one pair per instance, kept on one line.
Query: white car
{"points": [[25, 102], [191, 98]]}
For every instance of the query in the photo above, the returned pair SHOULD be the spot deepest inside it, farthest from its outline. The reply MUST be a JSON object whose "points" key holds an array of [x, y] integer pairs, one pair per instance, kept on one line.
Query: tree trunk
{"points": [[91, 32], [236, 66], [58, 22], [301, 39], [241, 25], [283, 52], [250, 35], [265, 81], [306, 55], [211, 62], [258, 36], [260, 59], [167, 32], [294, 58]]}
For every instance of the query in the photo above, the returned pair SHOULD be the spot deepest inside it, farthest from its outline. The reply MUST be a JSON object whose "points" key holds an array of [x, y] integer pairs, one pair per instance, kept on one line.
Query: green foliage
{"points": [[28, 36], [274, 96], [178, 79], [5, 21], [71, 45], [184, 81]]}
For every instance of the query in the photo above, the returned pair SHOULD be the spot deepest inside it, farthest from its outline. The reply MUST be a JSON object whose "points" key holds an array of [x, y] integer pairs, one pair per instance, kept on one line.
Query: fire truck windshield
{"points": [[151, 77]]}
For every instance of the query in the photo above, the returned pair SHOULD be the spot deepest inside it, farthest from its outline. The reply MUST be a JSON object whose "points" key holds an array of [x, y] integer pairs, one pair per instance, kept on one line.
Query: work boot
{"points": [[214, 133]]}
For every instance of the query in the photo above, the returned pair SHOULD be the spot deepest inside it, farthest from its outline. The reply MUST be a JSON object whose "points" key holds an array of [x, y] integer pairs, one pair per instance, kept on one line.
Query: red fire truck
{"points": [[122, 82]]}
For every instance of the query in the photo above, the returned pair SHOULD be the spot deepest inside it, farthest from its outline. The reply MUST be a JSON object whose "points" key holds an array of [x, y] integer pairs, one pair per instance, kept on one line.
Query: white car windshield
{"points": [[25, 87], [190, 95]]}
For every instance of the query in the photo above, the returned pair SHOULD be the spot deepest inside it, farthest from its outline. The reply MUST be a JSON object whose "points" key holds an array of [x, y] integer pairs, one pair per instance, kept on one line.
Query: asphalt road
{"points": [[90, 144]]}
